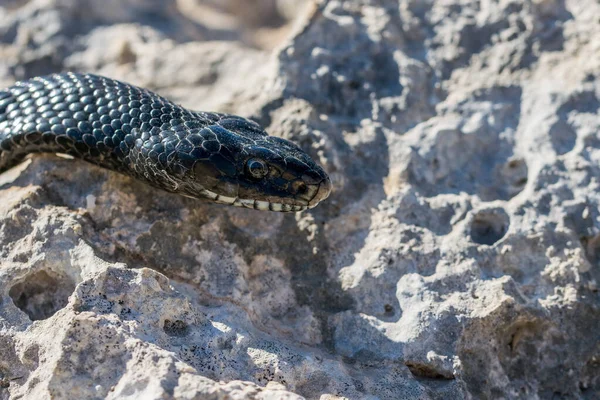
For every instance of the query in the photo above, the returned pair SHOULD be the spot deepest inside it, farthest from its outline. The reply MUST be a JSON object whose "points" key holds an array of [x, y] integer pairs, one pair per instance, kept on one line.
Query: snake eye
{"points": [[257, 168]]}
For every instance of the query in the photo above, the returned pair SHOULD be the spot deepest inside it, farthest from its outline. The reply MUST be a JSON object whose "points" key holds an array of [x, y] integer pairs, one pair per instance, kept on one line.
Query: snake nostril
{"points": [[301, 188]]}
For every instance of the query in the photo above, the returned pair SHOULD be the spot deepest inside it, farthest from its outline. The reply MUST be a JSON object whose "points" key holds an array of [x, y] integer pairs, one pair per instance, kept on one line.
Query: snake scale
{"points": [[219, 157]]}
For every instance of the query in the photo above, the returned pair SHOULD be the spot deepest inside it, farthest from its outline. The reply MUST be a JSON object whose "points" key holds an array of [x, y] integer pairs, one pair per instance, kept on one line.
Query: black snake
{"points": [[219, 157]]}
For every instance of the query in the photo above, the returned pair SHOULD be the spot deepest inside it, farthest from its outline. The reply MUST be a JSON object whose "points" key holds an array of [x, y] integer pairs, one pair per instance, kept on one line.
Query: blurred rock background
{"points": [[458, 256]]}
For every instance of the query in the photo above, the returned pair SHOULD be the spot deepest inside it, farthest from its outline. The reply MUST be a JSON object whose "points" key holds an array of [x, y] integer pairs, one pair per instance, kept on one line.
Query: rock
{"points": [[458, 257]]}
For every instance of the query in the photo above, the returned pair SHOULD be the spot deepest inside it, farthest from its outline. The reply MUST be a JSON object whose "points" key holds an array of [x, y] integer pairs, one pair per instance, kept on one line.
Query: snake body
{"points": [[219, 157]]}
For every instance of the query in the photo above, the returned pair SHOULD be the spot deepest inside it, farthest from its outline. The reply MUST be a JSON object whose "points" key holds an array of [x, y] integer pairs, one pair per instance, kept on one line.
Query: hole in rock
{"points": [[5, 382], [354, 84], [489, 226], [421, 370], [514, 173], [563, 137], [175, 328], [41, 295], [592, 249]]}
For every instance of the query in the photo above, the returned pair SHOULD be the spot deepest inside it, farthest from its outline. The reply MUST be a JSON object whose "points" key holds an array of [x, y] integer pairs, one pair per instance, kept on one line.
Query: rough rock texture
{"points": [[458, 257]]}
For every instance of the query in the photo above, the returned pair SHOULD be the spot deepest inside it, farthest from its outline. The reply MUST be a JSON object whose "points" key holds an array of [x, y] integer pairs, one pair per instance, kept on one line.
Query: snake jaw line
{"points": [[261, 205], [225, 199], [254, 204]]}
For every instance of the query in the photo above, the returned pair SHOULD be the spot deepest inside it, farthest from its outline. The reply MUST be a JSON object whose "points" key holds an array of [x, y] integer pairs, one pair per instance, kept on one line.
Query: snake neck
{"points": [[99, 120]]}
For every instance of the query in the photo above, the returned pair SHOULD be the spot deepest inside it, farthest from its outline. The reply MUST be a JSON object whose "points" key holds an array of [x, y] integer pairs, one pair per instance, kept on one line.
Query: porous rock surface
{"points": [[458, 256]]}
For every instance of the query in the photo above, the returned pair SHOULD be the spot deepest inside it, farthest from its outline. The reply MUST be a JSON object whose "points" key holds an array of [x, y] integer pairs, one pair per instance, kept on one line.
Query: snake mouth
{"points": [[321, 192], [262, 205], [267, 206]]}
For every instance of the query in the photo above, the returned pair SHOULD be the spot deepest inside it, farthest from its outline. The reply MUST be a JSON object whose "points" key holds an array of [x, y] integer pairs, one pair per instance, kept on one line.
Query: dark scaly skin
{"points": [[219, 157]]}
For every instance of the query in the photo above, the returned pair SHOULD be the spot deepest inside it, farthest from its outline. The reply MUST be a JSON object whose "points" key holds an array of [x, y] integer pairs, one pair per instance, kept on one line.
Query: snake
{"points": [[213, 156]]}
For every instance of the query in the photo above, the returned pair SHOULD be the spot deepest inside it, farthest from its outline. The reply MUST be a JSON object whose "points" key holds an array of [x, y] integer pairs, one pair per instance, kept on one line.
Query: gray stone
{"points": [[458, 256]]}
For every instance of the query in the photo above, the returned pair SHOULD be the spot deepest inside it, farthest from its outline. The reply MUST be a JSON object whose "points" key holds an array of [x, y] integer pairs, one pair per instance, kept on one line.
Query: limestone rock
{"points": [[458, 257]]}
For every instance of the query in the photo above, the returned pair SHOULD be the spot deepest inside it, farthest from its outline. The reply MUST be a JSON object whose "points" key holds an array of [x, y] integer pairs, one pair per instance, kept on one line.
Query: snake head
{"points": [[237, 163], [278, 172]]}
